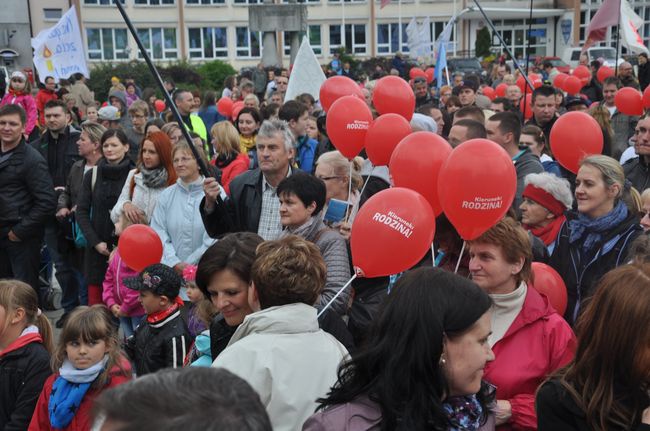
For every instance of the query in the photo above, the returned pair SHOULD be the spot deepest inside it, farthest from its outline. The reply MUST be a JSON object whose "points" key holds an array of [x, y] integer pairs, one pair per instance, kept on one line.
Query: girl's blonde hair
{"points": [[205, 311], [225, 137], [341, 167], [15, 294], [88, 324]]}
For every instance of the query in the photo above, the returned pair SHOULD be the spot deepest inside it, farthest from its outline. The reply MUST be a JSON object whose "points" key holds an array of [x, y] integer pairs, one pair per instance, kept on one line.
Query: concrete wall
{"points": [[15, 33]]}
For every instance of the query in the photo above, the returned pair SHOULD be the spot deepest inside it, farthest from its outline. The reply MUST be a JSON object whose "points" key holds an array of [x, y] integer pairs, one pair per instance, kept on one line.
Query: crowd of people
{"points": [[244, 323]]}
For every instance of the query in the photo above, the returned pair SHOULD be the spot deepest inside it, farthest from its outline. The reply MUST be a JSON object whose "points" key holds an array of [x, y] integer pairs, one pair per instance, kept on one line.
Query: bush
{"points": [[483, 42], [100, 76], [214, 73]]}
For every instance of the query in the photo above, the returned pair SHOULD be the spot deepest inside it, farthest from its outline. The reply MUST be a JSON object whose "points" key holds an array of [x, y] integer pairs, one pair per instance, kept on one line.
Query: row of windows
{"points": [[213, 2], [212, 42]]}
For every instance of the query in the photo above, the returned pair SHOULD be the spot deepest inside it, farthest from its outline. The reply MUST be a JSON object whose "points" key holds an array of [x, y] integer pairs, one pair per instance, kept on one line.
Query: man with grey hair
{"points": [[253, 205], [546, 197]]}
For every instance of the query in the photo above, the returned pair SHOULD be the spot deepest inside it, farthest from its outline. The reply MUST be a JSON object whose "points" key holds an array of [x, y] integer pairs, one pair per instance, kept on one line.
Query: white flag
{"points": [[306, 75], [630, 24], [445, 36], [425, 37], [59, 50], [413, 37]]}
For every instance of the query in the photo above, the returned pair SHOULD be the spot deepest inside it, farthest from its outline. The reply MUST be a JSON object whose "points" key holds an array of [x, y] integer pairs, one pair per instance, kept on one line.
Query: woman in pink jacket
{"points": [[122, 301], [529, 339], [19, 93]]}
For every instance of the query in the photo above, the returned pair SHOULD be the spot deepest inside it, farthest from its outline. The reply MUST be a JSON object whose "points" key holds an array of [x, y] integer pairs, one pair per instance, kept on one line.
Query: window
{"points": [[389, 38], [159, 42], [101, 2], [208, 42], [248, 43], [244, 2], [107, 43], [154, 2], [347, 1], [52, 14], [354, 38], [314, 40], [514, 34], [205, 2]]}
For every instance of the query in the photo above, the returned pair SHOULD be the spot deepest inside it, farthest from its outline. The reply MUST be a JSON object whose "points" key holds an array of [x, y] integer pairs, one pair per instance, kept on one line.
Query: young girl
{"points": [[88, 361], [120, 300], [19, 93], [194, 322], [25, 346]]}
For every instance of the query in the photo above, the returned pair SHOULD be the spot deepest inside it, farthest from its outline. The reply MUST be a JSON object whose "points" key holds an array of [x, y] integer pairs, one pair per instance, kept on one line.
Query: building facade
{"points": [[204, 30]]}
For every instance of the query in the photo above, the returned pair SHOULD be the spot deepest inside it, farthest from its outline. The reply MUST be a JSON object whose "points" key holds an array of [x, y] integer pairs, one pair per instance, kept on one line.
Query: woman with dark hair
{"points": [[533, 137], [422, 364], [529, 339], [248, 123], [597, 238], [302, 198], [606, 386], [223, 275], [100, 190], [149, 96], [154, 173]]}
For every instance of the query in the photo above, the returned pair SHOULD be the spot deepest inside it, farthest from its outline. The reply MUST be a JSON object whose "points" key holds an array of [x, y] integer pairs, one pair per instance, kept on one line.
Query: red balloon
{"points": [[629, 101], [574, 136], [646, 97], [140, 246], [535, 79], [527, 110], [224, 106], [159, 105], [236, 108], [430, 72], [347, 123], [521, 83], [559, 80], [583, 74], [383, 136], [603, 73], [416, 163], [336, 87], [393, 95], [489, 93], [573, 85], [501, 89], [473, 199], [401, 221], [415, 72], [549, 283]]}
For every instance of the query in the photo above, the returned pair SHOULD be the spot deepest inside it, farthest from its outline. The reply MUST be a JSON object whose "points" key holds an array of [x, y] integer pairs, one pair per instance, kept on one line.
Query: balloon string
{"points": [[433, 255], [462, 250], [331, 301], [366, 183], [348, 210]]}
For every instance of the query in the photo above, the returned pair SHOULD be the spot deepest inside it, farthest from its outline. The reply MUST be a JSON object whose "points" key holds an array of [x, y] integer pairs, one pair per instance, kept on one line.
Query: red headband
{"points": [[545, 199]]}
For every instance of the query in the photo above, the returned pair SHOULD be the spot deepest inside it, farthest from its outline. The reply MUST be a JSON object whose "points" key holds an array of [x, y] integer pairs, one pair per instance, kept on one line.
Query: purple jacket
{"points": [[359, 415], [115, 292]]}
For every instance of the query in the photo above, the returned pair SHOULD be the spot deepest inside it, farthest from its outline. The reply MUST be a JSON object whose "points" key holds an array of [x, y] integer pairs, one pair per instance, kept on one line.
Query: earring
{"points": [[442, 361]]}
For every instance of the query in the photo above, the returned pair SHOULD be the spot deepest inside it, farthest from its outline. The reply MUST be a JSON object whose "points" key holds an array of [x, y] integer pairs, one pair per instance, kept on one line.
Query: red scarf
{"points": [[159, 316], [548, 233], [22, 341], [16, 93]]}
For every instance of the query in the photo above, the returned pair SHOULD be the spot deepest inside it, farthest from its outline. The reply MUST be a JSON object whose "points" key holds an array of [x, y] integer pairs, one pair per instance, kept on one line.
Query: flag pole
{"points": [[203, 168], [618, 36], [530, 29]]}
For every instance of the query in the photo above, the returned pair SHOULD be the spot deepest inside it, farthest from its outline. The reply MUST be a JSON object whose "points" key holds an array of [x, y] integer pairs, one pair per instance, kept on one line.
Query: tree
{"points": [[483, 42]]}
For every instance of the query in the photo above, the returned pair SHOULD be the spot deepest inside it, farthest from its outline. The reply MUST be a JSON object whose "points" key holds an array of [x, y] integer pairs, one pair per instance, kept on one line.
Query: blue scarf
{"points": [[594, 228], [464, 412], [68, 391]]}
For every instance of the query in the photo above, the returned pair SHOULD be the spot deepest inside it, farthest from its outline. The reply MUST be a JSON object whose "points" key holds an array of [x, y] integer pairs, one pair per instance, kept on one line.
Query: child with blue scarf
{"points": [[87, 361]]}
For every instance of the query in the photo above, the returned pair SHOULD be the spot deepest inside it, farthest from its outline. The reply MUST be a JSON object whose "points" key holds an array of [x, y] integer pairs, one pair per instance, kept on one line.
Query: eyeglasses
{"points": [[182, 160], [327, 178]]}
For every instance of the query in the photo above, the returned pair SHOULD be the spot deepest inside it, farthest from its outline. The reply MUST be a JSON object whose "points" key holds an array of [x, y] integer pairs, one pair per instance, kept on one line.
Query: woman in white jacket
{"points": [[176, 218], [145, 183]]}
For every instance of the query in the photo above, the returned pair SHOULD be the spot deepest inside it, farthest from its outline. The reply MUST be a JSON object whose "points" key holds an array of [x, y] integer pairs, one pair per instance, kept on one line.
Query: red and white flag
{"points": [[630, 25], [606, 17], [384, 3]]}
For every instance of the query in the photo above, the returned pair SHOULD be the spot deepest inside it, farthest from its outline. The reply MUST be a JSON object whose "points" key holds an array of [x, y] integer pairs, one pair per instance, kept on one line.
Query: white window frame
{"points": [[249, 47], [354, 45], [100, 51], [246, 2], [166, 52], [154, 3], [401, 42], [199, 3], [100, 3], [318, 49], [215, 50], [52, 9], [347, 1]]}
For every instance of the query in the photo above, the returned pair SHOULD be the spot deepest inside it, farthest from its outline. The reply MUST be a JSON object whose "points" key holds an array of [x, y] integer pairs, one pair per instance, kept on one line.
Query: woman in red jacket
{"points": [[89, 361], [228, 155], [529, 339]]}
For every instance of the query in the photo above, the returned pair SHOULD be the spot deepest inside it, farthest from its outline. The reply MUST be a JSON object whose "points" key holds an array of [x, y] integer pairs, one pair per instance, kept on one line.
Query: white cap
{"points": [[18, 74]]}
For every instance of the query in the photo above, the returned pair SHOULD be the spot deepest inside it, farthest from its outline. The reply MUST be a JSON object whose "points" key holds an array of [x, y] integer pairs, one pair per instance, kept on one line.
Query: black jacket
{"points": [[22, 375], [241, 211], [155, 346], [581, 274], [558, 411], [644, 75], [27, 196], [59, 154], [93, 214], [638, 172], [220, 335]]}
